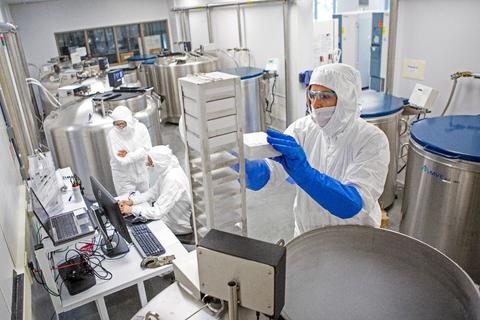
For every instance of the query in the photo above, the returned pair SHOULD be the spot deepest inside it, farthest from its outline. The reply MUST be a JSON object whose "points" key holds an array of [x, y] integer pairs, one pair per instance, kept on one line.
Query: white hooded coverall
{"points": [[347, 149], [170, 193], [130, 172]]}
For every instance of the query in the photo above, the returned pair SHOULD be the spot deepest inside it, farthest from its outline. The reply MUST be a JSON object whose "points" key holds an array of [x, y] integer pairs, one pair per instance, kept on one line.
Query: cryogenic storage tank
{"points": [[360, 272], [169, 69], [441, 204], [384, 111], [77, 134], [253, 97], [144, 65]]}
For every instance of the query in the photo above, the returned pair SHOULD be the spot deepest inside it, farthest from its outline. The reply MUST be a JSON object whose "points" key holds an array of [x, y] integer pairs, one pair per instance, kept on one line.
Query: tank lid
{"points": [[116, 96], [378, 104], [453, 137], [141, 57], [244, 72]]}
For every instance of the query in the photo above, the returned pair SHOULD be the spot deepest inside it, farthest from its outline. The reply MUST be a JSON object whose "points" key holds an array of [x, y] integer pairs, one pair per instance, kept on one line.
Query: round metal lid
{"points": [[244, 72], [378, 104], [140, 57], [360, 272], [453, 137]]}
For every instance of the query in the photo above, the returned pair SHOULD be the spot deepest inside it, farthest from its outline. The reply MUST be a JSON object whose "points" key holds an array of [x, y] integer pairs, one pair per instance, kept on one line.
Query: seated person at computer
{"points": [[169, 194]]}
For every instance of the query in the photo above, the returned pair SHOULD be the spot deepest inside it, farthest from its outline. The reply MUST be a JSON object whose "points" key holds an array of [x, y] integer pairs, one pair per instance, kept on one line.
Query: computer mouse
{"points": [[150, 262]]}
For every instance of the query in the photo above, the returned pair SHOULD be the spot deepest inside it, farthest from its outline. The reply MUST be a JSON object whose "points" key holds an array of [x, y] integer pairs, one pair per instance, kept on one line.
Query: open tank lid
{"points": [[378, 104], [244, 72], [453, 137]]}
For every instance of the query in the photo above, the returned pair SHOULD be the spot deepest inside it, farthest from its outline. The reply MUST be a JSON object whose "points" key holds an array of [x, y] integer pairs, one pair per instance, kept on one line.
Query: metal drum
{"points": [[143, 106], [170, 69], [441, 203], [148, 69], [359, 272], [141, 63], [77, 136], [253, 97], [384, 111]]}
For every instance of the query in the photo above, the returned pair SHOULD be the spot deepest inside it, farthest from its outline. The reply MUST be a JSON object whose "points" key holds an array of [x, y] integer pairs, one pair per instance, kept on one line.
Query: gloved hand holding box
{"points": [[256, 146]]}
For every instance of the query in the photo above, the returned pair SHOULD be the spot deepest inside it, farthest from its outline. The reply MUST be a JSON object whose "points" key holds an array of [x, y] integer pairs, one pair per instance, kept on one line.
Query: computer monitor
{"points": [[115, 244]]}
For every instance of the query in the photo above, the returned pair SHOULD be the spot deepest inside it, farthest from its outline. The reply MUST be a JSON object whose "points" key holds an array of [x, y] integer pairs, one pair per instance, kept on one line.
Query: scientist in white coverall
{"points": [[338, 161], [129, 143], [170, 194]]}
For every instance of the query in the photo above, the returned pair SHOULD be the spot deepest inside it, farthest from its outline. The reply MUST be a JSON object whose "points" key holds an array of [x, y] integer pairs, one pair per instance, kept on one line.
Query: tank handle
{"points": [[405, 128]]}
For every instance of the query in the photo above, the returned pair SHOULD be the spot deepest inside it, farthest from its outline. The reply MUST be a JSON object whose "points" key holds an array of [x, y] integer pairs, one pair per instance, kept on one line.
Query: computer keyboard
{"points": [[64, 226], [145, 240]]}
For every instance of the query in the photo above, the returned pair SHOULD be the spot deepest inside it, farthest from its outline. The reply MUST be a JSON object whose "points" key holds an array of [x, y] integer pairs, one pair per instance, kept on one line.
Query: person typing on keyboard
{"points": [[169, 194]]}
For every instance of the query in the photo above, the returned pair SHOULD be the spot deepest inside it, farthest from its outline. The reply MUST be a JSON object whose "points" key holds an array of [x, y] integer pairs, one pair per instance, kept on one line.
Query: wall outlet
{"points": [[413, 69]]}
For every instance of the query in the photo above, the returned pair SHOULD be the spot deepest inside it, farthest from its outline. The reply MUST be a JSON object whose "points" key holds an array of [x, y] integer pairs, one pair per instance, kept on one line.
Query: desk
{"points": [[126, 271]]}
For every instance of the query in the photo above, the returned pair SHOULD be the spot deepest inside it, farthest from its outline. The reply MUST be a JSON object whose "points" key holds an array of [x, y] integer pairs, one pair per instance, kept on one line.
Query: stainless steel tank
{"points": [[148, 69], [130, 77], [169, 69], [53, 83], [144, 68], [77, 135], [441, 203], [141, 103], [384, 111], [360, 272], [16, 104], [253, 97]]}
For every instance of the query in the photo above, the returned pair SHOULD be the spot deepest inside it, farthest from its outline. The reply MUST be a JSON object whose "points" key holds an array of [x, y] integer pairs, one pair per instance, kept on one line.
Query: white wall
{"points": [[352, 5], [447, 37], [300, 53], [264, 36], [262, 28], [11, 200], [38, 21]]}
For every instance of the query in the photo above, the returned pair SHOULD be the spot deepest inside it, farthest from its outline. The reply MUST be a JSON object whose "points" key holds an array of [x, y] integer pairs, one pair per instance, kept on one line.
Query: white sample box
{"points": [[256, 146]]}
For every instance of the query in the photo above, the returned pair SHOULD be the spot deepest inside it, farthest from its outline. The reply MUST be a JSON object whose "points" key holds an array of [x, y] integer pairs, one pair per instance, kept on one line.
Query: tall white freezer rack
{"points": [[213, 126]]}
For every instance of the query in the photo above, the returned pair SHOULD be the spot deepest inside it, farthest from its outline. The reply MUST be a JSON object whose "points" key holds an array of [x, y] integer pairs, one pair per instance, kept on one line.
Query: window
{"points": [[128, 41], [323, 9], [67, 40], [102, 44], [117, 43], [156, 37]]}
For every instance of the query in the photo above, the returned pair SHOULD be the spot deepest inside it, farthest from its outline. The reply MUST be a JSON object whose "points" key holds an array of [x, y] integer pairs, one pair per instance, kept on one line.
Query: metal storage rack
{"points": [[213, 123]]}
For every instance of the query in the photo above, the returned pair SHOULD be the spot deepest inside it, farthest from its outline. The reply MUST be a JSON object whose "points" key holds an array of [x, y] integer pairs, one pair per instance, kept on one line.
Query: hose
{"points": [[44, 90], [49, 96], [454, 86], [455, 77], [232, 58]]}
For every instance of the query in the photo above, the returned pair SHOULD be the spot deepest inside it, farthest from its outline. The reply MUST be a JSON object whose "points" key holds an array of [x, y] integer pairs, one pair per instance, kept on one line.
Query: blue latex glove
{"points": [[339, 199], [257, 173]]}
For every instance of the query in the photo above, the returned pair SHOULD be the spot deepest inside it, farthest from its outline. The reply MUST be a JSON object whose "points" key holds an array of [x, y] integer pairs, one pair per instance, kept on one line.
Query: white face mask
{"points": [[321, 116]]}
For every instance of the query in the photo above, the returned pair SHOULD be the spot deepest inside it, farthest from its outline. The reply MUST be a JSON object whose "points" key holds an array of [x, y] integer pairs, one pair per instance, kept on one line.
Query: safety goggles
{"points": [[321, 95]]}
